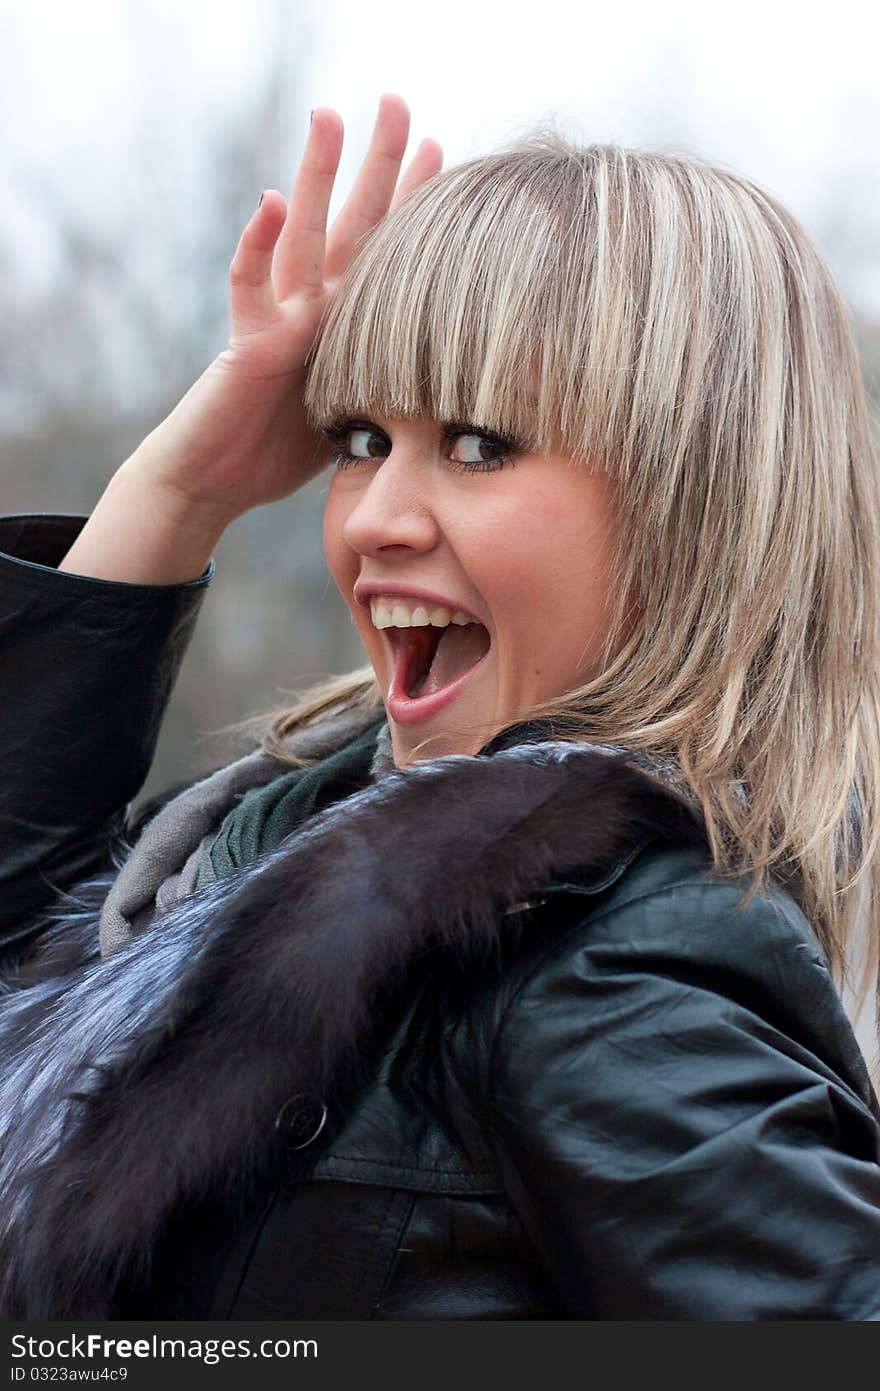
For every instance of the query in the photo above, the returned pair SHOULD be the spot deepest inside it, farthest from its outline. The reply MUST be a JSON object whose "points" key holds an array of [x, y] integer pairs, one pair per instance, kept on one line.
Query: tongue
{"points": [[460, 646]]}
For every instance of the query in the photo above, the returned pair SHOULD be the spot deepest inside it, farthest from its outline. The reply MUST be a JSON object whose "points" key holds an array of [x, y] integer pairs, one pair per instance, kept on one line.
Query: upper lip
{"points": [[363, 592]]}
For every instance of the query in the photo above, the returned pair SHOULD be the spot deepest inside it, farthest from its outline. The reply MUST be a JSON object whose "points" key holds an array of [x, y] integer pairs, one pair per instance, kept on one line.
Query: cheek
{"points": [[344, 566], [551, 587], [341, 559]]}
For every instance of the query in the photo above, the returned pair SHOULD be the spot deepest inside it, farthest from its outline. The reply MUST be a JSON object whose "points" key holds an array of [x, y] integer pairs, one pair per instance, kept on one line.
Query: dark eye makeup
{"points": [[502, 447]]}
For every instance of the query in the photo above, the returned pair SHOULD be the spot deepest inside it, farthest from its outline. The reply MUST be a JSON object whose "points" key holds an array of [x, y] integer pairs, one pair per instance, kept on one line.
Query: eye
{"points": [[477, 451], [355, 443]]}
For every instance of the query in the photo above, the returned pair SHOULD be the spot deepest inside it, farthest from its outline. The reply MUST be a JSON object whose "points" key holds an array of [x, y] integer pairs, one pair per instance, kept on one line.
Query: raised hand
{"points": [[239, 437]]}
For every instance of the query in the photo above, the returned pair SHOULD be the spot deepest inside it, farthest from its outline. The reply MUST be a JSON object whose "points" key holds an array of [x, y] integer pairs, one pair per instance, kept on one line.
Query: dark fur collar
{"points": [[153, 1077]]}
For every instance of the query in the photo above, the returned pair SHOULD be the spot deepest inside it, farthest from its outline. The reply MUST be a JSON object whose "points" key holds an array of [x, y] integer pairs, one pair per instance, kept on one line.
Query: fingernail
{"points": [[312, 115], [260, 204]]}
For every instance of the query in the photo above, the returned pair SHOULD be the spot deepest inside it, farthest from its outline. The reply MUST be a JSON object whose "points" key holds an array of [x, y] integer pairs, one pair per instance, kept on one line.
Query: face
{"points": [[442, 520]]}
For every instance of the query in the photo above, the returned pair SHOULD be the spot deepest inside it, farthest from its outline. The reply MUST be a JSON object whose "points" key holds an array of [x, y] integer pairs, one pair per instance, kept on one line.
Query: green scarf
{"points": [[266, 815]]}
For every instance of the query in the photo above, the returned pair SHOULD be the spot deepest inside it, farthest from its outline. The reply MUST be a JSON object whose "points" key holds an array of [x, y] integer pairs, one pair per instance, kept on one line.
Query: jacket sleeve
{"points": [[684, 1121], [86, 670]]}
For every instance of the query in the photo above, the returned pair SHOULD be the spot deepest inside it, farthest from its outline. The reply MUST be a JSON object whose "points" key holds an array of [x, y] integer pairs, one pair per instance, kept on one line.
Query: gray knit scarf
{"points": [[170, 859]]}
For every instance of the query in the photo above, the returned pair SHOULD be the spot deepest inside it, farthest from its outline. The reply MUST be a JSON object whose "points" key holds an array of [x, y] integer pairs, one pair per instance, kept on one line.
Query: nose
{"points": [[393, 509]]}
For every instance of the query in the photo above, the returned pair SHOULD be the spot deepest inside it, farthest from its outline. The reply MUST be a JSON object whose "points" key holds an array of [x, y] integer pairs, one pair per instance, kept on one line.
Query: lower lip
{"points": [[405, 710]]}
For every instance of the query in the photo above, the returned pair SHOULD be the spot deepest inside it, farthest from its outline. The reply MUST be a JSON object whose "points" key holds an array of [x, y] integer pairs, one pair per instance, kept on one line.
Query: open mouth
{"points": [[428, 659]]}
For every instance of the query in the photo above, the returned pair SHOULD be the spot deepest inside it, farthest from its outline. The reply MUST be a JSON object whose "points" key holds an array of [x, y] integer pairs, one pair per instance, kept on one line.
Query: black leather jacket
{"points": [[653, 1107]]}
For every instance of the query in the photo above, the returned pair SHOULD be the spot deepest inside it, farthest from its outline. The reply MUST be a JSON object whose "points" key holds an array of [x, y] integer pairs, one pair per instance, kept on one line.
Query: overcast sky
{"points": [[787, 94]]}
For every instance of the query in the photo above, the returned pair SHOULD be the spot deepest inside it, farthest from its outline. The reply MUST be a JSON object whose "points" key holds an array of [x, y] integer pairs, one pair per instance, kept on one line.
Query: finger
{"points": [[427, 160], [252, 297], [299, 255], [371, 193]]}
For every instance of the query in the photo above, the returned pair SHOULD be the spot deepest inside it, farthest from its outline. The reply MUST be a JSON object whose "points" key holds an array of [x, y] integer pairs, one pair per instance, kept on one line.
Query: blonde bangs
{"points": [[521, 292], [458, 308]]}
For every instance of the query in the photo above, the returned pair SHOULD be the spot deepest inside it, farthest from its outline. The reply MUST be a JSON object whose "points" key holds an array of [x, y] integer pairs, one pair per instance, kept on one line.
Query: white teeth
{"points": [[394, 613]]}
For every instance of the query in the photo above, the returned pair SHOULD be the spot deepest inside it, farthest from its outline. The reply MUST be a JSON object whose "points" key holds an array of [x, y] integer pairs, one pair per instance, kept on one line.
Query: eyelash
{"points": [[337, 435]]}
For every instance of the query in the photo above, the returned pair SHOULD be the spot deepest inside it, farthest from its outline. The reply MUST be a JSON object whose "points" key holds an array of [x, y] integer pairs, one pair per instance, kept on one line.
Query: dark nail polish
{"points": [[311, 115], [260, 204]]}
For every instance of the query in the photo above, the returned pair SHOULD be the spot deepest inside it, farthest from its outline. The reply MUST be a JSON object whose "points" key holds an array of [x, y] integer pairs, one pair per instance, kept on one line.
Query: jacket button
{"points": [[301, 1119]]}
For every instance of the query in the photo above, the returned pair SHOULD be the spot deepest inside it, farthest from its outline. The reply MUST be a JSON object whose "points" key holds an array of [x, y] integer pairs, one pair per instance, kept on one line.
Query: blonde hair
{"points": [[663, 319]]}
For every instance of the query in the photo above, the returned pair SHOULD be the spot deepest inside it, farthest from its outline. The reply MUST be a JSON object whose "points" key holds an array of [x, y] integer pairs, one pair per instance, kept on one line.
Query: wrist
{"points": [[140, 479], [141, 533]]}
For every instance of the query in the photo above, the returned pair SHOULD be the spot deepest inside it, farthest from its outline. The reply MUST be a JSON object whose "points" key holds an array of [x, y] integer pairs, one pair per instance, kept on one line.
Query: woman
{"points": [[499, 982]]}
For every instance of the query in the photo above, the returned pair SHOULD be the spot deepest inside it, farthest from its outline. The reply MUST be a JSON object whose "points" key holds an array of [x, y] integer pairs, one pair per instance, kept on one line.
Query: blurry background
{"points": [[139, 134]]}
